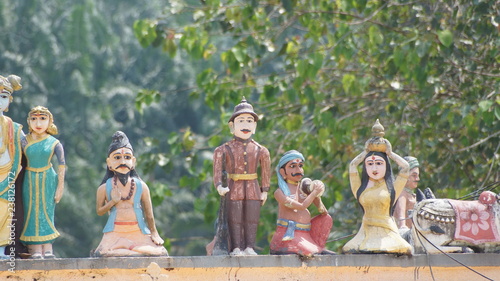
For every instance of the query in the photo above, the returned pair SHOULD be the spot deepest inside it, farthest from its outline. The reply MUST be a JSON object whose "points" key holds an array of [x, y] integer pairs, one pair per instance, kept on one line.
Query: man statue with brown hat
{"points": [[240, 158]]}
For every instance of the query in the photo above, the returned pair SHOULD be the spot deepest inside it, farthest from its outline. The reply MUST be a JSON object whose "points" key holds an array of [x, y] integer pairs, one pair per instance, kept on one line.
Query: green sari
{"points": [[39, 188]]}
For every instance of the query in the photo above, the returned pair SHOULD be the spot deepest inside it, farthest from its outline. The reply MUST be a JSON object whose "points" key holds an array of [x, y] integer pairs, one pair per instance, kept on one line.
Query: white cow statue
{"points": [[449, 225]]}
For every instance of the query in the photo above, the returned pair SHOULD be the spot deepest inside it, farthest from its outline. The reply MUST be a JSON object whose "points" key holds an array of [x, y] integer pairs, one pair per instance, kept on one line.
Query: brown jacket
{"points": [[243, 158]]}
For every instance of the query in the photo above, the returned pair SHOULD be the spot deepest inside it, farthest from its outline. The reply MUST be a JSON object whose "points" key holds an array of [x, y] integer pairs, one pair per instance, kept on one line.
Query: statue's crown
{"points": [[377, 142], [10, 84]]}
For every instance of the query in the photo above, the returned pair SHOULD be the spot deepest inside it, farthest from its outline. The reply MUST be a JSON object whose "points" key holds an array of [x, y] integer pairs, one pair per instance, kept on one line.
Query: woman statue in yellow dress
{"points": [[376, 192], [10, 163]]}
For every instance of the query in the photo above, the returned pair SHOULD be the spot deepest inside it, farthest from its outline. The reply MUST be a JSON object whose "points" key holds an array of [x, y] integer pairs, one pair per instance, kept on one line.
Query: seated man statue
{"points": [[130, 230], [296, 232], [407, 199]]}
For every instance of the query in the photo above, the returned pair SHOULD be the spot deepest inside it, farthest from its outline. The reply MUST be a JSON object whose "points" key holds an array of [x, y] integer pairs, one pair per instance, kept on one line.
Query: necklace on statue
{"points": [[409, 190], [132, 188]]}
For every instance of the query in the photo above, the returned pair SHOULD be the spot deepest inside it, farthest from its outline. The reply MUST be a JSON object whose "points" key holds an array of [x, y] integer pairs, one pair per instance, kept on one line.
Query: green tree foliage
{"points": [[320, 72]]}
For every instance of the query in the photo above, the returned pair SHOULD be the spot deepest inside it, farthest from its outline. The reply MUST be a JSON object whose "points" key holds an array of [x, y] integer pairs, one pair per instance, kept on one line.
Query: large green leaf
{"points": [[445, 37], [348, 81]]}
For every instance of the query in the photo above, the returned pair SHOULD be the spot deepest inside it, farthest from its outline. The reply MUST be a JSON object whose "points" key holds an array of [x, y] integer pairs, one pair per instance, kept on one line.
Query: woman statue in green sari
{"points": [[42, 187]]}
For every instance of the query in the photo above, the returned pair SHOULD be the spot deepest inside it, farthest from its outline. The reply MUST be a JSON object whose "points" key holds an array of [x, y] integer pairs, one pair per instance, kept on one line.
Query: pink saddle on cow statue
{"points": [[475, 220]]}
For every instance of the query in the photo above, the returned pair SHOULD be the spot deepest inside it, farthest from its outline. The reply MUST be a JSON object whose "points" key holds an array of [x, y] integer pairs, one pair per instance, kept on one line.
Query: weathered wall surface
{"points": [[341, 267]]}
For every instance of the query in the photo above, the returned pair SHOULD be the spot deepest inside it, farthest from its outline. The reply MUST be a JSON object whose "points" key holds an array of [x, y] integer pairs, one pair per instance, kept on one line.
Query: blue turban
{"points": [[288, 156]]}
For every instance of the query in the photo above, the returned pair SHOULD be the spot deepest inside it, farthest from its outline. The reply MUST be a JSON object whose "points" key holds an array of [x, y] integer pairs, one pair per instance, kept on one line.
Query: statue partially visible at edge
{"points": [[10, 161]]}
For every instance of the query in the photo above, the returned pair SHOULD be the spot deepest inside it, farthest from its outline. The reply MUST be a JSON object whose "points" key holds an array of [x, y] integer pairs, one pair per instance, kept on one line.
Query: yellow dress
{"points": [[11, 142], [378, 232]]}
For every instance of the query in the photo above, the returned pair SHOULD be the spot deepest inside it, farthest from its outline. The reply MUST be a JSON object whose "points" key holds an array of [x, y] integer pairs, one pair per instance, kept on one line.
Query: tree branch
{"points": [[479, 142]]}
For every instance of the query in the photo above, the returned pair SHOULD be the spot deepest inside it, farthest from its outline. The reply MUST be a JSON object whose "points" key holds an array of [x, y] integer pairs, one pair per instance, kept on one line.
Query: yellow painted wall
{"points": [[154, 272]]}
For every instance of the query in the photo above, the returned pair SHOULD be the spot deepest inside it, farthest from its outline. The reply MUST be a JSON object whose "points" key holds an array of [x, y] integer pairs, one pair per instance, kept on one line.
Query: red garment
{"points": [[305, 242]]}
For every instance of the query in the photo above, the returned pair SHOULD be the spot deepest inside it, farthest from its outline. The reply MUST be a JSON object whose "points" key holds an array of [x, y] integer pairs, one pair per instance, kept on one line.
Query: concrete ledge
{"points": [[265, 267]]}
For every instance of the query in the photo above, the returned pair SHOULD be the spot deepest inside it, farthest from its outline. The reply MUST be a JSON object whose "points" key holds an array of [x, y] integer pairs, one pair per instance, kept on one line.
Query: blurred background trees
{"points": [[319, 72]]}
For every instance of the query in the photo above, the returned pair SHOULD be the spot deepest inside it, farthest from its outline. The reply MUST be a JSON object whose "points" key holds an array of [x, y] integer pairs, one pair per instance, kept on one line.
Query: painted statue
{"points": [[296, 231], [407, 199], [448, 225], [130, 229], [376, 192], [42, 187], [239, 159], [10, 161]]}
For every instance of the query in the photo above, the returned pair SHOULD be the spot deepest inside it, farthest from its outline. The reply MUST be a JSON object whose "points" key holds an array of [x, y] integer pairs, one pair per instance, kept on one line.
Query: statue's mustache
{"points": [[123, 165]]}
